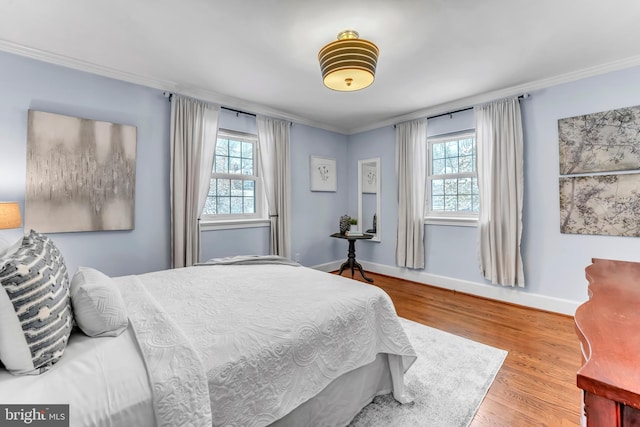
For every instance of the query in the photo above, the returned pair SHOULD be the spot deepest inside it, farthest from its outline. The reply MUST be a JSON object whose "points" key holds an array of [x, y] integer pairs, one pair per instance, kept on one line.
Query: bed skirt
{"points": [[343, 398]]}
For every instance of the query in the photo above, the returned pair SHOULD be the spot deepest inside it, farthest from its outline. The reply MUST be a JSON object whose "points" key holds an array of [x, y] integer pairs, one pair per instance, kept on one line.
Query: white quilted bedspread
{"points": [[175, 371], [272, 336]]}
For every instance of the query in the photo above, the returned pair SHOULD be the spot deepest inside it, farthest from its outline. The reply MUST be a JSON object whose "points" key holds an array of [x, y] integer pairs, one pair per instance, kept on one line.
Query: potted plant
{"points": [[353, 225]]}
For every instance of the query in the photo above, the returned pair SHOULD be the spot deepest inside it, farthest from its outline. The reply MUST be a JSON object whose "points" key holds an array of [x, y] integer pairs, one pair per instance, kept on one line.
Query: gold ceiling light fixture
{"points": [[349, 63]]}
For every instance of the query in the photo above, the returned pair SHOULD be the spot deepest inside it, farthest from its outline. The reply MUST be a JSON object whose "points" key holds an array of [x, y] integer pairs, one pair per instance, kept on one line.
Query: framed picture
{"points": [[600, 142], [323, 173], [605, 205], [369, 178]]}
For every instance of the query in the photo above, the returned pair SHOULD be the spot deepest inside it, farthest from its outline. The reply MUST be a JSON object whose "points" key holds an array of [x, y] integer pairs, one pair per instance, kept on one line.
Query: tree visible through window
{"points": [[452, 181], [234, 179]]}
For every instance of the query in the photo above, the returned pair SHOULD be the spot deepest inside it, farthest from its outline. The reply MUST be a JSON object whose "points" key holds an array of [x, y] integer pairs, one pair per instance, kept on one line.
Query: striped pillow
{"points": [[35, 308]]}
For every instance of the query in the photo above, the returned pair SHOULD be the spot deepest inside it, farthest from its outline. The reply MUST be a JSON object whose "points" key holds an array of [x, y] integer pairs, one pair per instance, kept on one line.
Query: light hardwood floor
{"points": [[536, 385]]}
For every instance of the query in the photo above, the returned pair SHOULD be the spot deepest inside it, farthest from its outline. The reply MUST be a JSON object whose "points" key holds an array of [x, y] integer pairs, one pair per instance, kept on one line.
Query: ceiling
{"points": [[261, 56]]}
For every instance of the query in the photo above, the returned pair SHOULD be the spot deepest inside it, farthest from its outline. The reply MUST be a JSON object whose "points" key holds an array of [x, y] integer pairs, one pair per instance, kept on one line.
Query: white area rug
{"points": [[449, 380]]}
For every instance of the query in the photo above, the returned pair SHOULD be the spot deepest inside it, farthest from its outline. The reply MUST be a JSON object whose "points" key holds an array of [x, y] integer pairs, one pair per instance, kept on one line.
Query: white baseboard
{"points": [[495, 292], [328, 267]]}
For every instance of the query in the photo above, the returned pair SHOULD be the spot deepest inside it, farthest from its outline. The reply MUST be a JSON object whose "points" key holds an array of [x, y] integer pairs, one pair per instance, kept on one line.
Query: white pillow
{"points": [[98, 307], [8, 248]]}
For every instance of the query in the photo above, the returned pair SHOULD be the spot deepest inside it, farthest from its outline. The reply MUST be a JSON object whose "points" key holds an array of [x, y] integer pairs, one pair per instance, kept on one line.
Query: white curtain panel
{"points": [[500, 183], [194, 128], [275, 166], [411, 167]]}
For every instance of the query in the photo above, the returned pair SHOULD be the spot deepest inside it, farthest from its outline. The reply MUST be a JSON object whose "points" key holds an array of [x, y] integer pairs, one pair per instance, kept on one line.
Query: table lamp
{"points": [[10, 215]]}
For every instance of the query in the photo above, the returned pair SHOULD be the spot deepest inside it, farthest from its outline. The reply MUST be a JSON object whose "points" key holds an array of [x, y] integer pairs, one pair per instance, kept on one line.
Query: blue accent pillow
{"points": [[35, 307]]}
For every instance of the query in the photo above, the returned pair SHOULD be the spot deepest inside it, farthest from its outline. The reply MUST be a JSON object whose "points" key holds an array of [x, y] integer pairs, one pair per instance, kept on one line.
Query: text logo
{"points": [[34, 415]]}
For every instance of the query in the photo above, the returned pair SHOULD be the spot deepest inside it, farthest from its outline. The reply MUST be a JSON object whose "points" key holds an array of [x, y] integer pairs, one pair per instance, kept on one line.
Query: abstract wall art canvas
{"points": [[80, 174], [600, 204], [600, 142]]}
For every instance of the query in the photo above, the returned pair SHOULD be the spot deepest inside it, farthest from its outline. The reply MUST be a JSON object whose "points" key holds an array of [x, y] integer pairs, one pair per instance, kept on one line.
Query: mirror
{"points": [[369, 197]]}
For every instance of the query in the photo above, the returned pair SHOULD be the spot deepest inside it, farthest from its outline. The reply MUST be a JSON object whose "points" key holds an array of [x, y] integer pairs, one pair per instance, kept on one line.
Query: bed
{"points": [[252, 342]]}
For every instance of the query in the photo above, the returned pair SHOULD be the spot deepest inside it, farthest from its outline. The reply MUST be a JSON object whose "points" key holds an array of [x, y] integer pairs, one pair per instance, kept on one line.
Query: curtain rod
{"points": [[169, 95], [450, 113], [523, 96], [238, 111]]}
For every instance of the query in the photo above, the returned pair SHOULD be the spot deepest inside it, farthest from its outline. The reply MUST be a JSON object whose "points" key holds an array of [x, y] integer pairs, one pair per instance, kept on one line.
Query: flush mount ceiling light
{"points": [[348, 63]]}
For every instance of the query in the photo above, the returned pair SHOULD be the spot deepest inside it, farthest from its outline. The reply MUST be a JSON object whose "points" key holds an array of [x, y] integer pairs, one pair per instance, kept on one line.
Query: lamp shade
{"points": [[10, 215], [349, 63]]}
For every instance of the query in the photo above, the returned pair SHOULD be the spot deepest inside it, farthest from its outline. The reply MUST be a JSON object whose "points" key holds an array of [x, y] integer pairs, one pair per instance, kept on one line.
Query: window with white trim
{"points": [[235, 190], [452, 182]]}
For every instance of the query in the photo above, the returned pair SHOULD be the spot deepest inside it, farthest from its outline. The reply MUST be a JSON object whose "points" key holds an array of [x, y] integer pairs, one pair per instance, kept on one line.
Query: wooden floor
{"points": [[536, 385]]}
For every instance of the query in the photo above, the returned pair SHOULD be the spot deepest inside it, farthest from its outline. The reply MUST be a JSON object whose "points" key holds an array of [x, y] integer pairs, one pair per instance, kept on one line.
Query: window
{"points": [[235, 190], [452, 183]]}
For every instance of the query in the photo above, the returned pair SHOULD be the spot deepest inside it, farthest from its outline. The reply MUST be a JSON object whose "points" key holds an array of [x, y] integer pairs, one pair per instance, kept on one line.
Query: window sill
{"points": [[452, 221], [229, 224]]}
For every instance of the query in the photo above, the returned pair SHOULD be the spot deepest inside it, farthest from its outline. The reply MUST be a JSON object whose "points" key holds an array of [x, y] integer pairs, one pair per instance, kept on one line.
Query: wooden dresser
{"points": [[608, 326]]}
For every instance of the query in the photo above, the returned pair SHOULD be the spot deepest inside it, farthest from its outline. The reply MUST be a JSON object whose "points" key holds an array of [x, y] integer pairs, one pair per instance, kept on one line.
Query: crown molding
{"points": [[505, 93], [164, 85], [243, 105], [76, 64]]}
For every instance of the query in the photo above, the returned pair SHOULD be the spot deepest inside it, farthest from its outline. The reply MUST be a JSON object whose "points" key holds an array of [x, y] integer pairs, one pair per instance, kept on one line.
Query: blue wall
{"points": [[314, 214], [47, 87], [367, 145], [554, 263], [230, 242], [29, 84], [450, 251]]}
